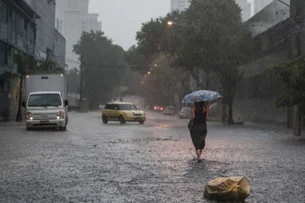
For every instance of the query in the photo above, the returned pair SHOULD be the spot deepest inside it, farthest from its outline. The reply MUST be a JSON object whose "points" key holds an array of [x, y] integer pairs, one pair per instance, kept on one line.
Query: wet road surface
{"points": [[93, 162]]}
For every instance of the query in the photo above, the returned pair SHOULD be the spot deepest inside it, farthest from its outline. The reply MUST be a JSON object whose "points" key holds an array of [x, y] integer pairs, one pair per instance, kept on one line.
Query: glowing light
{"points": [[170, 23]]}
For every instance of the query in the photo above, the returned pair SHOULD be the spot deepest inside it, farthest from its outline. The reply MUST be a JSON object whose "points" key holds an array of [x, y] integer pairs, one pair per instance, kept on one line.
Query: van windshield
{"points": [[44, 100]]}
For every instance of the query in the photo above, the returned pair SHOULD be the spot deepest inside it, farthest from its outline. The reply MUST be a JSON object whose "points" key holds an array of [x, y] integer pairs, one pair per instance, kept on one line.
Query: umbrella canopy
{"points": [[201, 96]]}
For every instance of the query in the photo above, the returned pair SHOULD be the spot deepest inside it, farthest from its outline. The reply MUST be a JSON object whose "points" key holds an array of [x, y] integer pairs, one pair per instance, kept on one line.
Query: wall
{"points": [[72, 32], [60, 49], [18, 31], [257, 92], [45, 27]]}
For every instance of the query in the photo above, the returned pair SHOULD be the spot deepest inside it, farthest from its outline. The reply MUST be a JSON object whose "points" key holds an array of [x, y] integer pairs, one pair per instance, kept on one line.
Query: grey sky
{"points": [[121, 19]]}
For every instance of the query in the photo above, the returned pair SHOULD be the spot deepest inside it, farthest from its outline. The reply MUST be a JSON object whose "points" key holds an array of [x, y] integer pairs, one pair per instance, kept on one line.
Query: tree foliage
{"points": [[292, 73], [73, 80], [136, 60], [209, 37], [102, 65]]}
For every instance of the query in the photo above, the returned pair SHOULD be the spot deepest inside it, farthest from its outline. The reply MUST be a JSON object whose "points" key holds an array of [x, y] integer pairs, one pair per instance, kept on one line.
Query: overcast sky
{"points": [[121, 19]]}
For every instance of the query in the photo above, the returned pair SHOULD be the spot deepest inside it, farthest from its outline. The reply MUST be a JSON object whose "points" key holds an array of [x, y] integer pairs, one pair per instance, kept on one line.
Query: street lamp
{"points": [[148, 73], [156, 65], [170, 23]]}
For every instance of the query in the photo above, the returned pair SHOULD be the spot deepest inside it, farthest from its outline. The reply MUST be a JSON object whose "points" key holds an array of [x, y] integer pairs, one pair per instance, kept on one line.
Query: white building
{"points": [[179, 5], [73, 18], [260, 4], [246, 7], [246, 10], [93, 23]]}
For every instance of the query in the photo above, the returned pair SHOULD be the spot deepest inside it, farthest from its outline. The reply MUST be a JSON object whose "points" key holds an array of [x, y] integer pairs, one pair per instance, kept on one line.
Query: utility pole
{"points": [[297, 14]]}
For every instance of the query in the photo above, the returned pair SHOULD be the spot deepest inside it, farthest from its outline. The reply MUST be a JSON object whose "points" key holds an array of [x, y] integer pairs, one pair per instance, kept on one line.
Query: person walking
{"points": [[198, 127]]}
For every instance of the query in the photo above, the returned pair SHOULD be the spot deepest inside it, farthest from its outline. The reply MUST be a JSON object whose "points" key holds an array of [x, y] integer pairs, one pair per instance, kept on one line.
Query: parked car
{"points": [[169, 110], [122, 112], [101, 106], [186, 112], [158, 108]]}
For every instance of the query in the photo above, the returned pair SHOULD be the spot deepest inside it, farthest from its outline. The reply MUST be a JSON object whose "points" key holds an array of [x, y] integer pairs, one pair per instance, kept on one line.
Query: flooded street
{"points": [[93, 162]]}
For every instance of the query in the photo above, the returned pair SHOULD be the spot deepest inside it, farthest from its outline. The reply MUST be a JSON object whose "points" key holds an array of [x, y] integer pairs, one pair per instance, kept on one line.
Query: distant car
{"points": [[122, 112], [169, 110], [158, 108], [101, 106], [186, 112]]}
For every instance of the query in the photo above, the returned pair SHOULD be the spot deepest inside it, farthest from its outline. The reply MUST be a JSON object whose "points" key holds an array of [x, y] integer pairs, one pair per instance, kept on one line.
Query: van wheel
{"points": [[141, 122], [122, 120], [105, 120], [28, 129]]}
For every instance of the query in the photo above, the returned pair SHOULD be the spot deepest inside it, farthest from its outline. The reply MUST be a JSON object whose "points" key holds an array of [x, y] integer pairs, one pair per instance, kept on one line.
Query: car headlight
{"points": [[61, 115], [129, 113], [29, 116]]}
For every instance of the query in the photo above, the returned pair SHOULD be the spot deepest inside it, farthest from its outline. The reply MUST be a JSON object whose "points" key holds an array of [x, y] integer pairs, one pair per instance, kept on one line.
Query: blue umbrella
{"points": [[200, 96]]}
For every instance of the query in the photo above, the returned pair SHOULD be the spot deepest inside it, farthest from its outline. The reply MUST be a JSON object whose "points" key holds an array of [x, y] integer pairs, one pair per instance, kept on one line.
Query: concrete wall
{"points": [[45, 27], [60, 49]]}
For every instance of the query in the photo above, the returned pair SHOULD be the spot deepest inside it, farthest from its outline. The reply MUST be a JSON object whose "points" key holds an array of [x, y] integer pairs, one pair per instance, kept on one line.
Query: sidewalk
{"points": [[11, 124]]}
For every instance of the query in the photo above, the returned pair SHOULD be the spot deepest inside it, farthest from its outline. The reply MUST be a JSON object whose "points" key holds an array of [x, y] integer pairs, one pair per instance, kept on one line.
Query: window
{"points": [[44, 100], [127, 107], [109, 106], [3, 54]]}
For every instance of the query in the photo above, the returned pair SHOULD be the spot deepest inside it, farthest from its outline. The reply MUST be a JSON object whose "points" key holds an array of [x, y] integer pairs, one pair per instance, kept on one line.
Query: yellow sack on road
{"points": [[231, 189]]}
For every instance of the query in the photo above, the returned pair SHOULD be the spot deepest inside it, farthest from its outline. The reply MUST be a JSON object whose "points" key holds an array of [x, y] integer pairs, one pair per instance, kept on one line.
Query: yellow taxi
{"points": [[122, 112]]}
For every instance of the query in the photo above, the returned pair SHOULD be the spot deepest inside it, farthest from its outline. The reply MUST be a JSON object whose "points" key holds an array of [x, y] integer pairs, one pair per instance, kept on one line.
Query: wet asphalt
{"points": [[93, 162]]}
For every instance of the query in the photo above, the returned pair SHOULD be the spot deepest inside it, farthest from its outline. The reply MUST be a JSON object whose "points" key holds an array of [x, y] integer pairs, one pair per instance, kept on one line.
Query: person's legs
{"points": [[198, 153]]}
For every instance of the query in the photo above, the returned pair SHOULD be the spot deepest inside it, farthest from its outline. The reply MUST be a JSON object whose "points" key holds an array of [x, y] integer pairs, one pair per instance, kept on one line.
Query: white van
{"points": [[46, 104]]}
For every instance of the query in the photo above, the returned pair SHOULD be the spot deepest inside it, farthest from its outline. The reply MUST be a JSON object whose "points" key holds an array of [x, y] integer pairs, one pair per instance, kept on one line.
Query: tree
{"points": [[102, 64], [136, 60], [157, 40], [215, 41], [292, 73], [73, 80]]}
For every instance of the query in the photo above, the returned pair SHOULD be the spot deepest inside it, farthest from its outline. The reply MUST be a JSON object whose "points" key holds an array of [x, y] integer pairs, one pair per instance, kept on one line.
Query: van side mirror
{"points": [[66, 102], [23, 104]]}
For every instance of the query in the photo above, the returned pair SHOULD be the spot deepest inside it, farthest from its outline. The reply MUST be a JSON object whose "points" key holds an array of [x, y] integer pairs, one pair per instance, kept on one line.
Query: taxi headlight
{"points": [[129, 113]]}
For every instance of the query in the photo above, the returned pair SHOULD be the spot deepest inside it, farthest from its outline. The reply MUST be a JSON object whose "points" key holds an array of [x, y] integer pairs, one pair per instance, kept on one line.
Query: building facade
{"points": [[246, 9], [45, 28], [60, 49], [17, 35], [73, 18], [93, 23], [47, 36], [261, 4], [179, 5]]}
